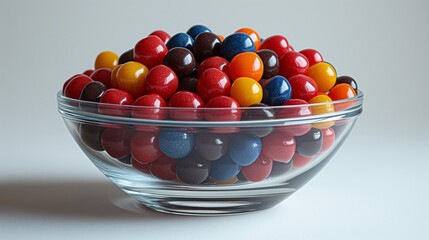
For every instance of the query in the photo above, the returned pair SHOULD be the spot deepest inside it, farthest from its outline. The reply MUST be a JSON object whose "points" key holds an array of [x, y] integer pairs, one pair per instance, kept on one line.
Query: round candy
{"points": [[212, 146], [328, 138], [293, 112], [324, 75], [188, 84], [244, 149], [116, 142], [312, 56], [192, 169], [277, 91], [74, 86], [229, 114], [293, 63], [114, 77], [236, 43], [310, 143], [161, 80], [303, 87], [91, 136], [276, 43], [155, 102], [117, 97], [88, 72], [278, 147], [213, 83], [246, 91], [196, 30], [182, 40], [102, 75], [224, 169], [183, 100], [176, 144], [349, 80], [127, 56], [280, 168], [206, 45], [341, 91], [164, 36], [150, 51], [93, 91], [259, 170], [261, 111], [247, 64], [181, 60], [323, 108], [106, 59], [144, 147], [214, 62], [131, 77], [300, 160], [144, 168], [253, 35], [270, 61], [164, 168]]}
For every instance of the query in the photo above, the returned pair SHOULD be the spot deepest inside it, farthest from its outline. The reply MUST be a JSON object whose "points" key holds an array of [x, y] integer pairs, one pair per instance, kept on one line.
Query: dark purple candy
{"points": [[93, 91], [181, 60], [91, 136], [280, 168], [193, 169], [212, 146], [270, 61], [349, 80], [206, 45], [127, 56], [188, 84], [259, 113]]}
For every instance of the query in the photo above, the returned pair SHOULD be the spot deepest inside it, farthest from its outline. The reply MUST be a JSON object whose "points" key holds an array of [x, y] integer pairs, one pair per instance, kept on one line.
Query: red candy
{"points": [[116, 142], [232, 114], [164, 168], [312, 56], [74, 87], [102, 75], [144, 168], [303, 87], [162, 35], [144, 147], [293, 63], [300, 161], [278, 147], [150, 51], [185, 99], [88, 72], [154, 102], [259, 170], [214, 62], [276, 43], [161, 80], [298, 111], [213, 83], [118, 97], [328, 138]]}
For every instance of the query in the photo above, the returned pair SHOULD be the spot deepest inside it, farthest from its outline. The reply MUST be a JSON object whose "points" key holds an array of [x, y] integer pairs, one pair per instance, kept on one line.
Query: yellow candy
{"points": [[324, 75], [246, 91], [106, 59], [131, 77], [322, 109]]}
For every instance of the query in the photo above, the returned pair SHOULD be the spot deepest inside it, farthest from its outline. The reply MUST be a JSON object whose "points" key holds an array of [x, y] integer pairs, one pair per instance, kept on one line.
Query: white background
{"points": [[374, 188]]}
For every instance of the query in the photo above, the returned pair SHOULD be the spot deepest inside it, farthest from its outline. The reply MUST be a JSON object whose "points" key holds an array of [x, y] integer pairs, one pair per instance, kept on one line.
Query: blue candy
{"points": [[197, 29], [224, 168], [181, 40], [236, 43], [176, 144], [277, 90], [244, 149]]}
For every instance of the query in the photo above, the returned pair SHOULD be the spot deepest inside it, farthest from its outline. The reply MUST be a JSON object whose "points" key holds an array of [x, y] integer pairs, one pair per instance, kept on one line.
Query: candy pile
{"points": [[200, 70]]}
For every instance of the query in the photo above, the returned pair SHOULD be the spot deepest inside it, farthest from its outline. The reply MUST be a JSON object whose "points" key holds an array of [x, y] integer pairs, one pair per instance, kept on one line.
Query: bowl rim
{"points": [[71, 108]]}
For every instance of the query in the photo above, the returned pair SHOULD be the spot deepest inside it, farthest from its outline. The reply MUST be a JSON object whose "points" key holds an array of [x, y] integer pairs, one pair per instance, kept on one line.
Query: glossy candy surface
{"points": [[313, 56], [259, 113], [117, 97], [280, 168], [212, 146], [214, 62], [155, 102], [183, 100], [161, 80], [181, 60], [92, 91], [229, 113], [294, 112], [293, 63], [258, 170], [144, 147], [188, 84], [116, 142], [131, 77], [180, 40], [224, 168], [195, 30], [341, 91], [73, 88], [253, 35], [246, 91], [277, 91], [277, 43], [247, 64], [244, 149], [300, 161], [114, 77], [164, 36], [176, 144], [213, 83], [106, 59], [236, 43], [192, 169], [324, 75], [310, 143], [127, 56], [164, 168], [279, 147], [206, 45], [270, 61], [349, 80], [102, 75], [328, 139], [150, 51], [304, 87], [91, 136]]}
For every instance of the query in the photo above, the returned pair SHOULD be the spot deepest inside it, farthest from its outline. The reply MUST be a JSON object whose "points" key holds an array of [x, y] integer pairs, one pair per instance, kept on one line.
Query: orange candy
{"points": [[342, 91], [113, 77], [247, 64], [253, 35], [131, 77], [106, 59]]}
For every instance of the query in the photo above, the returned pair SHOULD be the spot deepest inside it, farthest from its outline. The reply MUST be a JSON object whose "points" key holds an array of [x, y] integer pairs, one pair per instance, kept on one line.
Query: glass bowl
{"points": [[173, 160]]}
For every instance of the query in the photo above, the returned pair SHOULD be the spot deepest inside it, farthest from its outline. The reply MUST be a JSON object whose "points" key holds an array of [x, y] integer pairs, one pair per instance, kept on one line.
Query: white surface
{"points": [[374, 188]]}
